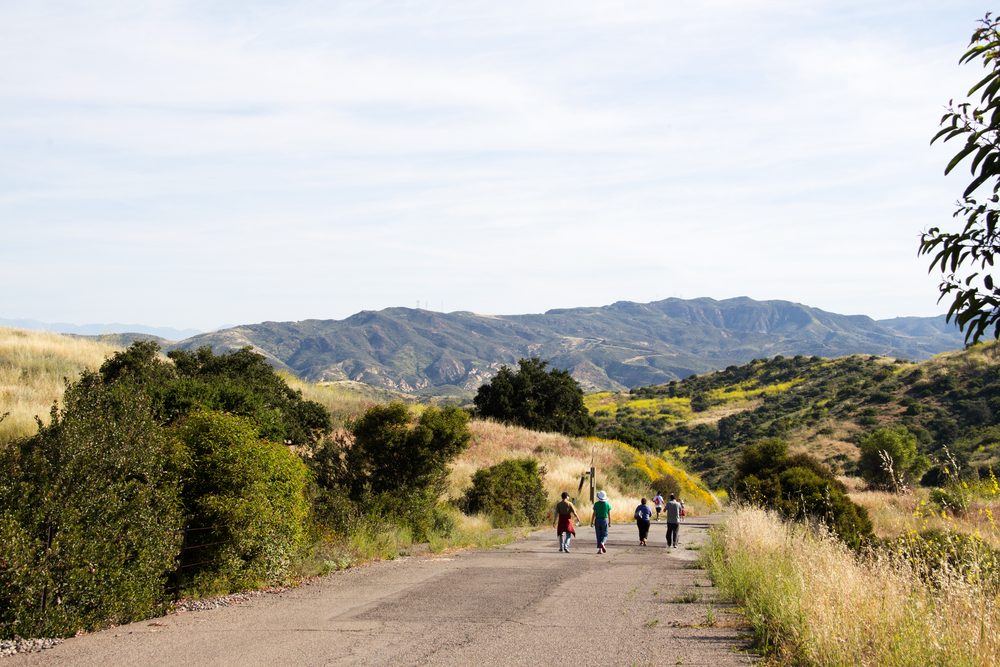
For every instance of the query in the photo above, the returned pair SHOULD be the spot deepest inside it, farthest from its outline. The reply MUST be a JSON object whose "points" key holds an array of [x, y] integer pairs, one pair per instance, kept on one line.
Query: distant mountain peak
{"points": [[625, 344]]}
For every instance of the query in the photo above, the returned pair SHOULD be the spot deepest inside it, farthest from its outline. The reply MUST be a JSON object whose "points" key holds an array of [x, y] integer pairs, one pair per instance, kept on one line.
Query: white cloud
{"points": [[606, 151]]}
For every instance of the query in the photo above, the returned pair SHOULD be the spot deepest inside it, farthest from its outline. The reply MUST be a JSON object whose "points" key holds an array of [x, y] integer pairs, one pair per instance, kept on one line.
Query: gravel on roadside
{"points": [[18, 645]]}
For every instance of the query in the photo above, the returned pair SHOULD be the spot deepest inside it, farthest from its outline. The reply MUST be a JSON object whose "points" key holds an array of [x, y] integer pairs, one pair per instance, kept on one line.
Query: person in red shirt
{"points": [[564, 522]]}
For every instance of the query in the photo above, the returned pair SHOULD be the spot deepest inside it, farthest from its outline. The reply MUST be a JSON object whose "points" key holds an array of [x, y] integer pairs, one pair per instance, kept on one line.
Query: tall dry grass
{"points": [[344, 400], [894, 514], [34, 366], [813, 601], [565, 460]]}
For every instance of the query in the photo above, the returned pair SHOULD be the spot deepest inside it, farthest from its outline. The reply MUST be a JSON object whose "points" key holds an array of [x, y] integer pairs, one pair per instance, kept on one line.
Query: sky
{"points": [[203, 163]]}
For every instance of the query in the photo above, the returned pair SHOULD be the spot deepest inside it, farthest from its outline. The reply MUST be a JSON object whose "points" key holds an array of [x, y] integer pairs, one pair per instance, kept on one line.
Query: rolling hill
{"points": [[951, 402], [611, 347]]}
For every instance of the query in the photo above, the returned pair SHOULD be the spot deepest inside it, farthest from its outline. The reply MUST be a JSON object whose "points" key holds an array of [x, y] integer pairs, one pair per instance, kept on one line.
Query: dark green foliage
{"points": [[90, 515], [240, 383], [535, 398], [665, 485], [799, 487], [890, 460], [510, 493], [246, 503], [965, 258], [392, 455], [392, 470]]}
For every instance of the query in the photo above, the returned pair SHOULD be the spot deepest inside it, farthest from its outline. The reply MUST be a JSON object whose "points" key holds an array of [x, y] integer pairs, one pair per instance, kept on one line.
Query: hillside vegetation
{"points": [[622, 470], [950, 402], [34, 367]]}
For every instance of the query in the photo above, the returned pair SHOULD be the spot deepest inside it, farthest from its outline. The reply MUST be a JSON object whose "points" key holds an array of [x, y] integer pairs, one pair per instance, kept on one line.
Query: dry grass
{"points": [[894, 515], [812, 601], [33, 369], [344, 400], [565, 460]]}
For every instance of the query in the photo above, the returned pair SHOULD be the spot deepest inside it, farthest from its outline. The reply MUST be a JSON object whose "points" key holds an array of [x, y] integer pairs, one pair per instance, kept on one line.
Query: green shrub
{"points": [[665, 485], [392, 455], [510, 493], [240, 383], [890, 459], [90, 516], [247, 505], [799, 487]]}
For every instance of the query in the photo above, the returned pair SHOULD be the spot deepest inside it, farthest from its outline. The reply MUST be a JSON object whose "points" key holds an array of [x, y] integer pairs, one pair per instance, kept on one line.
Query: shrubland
{"points": [[949, 406]]}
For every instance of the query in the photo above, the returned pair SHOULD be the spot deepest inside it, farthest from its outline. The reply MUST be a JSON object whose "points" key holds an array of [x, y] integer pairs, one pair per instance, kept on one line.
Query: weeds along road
{"points": [[523, 604]]}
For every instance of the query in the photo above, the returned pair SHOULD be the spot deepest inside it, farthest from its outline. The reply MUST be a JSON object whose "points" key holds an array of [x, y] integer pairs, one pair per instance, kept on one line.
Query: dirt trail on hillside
{"points": [[523, 604]]}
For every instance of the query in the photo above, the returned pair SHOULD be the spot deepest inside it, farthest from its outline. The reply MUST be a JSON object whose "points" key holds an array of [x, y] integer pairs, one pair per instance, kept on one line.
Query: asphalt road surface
{"points": [[522, 604]]}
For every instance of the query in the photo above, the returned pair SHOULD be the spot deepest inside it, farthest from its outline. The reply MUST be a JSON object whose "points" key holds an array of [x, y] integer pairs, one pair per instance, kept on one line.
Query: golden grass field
{"points": [[34, 367]]}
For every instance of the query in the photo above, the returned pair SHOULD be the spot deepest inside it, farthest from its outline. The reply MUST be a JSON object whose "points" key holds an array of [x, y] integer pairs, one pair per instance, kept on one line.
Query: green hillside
{"points": [[819, 405]]}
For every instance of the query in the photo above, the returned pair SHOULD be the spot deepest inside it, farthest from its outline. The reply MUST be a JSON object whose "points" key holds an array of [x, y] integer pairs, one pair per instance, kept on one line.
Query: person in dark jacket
{"points": [[642, 516]]}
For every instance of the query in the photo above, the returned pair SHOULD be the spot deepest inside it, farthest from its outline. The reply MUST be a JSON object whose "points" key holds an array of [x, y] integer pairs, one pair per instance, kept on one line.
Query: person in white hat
{"points": [[601, 520]]}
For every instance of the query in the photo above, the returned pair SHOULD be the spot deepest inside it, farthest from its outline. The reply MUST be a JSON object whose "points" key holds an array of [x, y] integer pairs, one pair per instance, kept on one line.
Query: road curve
{"points": [[522, 604]]}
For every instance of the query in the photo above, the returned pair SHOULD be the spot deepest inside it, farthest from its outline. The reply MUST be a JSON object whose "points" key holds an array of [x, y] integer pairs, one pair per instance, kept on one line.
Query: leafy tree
{"points": [[535, 398], [966, 257], [799, 487], [391, 454], [246, 503], [240, 383], [510, 492], [90, 514], [890, 459]]}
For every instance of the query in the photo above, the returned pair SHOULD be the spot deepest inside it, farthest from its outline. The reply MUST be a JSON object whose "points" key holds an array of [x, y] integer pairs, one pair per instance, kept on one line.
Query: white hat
{"points": [[601, 495]]}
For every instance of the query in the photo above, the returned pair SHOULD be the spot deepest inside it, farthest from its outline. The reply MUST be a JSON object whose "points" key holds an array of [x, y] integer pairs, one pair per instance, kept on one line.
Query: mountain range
{"points": [[613, 347]]}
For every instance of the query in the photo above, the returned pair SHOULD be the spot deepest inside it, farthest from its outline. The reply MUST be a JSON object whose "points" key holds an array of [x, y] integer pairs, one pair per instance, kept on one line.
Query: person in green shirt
{"points": [[601, 521]]}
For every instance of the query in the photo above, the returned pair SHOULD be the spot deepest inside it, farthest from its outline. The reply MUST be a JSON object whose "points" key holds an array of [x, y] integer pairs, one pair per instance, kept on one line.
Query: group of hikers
{"points": [[601, 520]]}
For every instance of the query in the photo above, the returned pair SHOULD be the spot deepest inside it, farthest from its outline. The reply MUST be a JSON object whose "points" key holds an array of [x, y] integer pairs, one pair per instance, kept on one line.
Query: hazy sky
{"points": [[193, 164]]}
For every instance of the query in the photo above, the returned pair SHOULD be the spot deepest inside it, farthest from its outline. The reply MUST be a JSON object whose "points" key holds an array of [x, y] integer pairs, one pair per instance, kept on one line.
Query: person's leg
{"points": [[601, 527], [569, 538], [562, 541]]}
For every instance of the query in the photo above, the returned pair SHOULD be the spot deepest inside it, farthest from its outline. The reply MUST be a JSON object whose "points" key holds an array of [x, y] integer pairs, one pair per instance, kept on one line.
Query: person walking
{"points": [[658, 503], [601, 521], [642, 516], [564, 522], [674, 509]]}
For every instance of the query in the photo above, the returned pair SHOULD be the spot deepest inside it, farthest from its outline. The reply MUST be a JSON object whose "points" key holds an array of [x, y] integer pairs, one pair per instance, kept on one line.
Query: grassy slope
{"points": [[819, 405], [33, 369], [622, 471]]}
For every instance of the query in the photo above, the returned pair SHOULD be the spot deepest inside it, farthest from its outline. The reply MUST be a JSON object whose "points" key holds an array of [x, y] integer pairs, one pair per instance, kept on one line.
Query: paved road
{"points": [[523, 604]]}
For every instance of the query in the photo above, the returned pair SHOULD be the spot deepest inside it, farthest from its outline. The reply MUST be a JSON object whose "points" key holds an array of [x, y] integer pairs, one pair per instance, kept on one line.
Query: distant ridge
{"points": [[165, 333], [619, 346]]}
